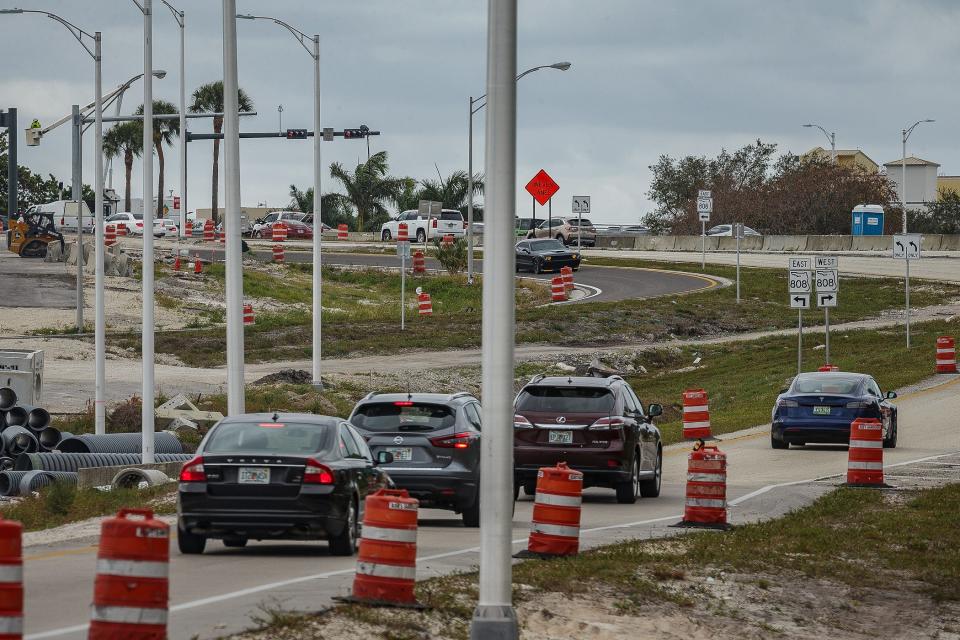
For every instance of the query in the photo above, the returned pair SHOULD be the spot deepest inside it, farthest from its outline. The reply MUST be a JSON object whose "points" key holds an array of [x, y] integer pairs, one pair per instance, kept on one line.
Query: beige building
{"points": [[921, 180], [948, 184], [845, 158]]}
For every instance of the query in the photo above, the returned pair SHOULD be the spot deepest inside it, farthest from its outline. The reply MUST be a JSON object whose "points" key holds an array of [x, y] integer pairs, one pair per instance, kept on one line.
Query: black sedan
{"points": [[819, 407], [546, 255], [277, 476]]}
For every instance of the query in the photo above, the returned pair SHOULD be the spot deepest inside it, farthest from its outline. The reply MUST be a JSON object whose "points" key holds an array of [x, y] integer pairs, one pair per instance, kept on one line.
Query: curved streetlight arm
{"points": [[177, 14], [301, 37], [825, 132], [560, 66], [907, 132], [74, 30]]}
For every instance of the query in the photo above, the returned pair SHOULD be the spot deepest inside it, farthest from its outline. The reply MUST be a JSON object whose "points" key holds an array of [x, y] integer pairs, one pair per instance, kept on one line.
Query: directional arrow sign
{"points": [[800, 301], [581, 204], [799, 282], [826, 299], [827, 281], [907, 246]]}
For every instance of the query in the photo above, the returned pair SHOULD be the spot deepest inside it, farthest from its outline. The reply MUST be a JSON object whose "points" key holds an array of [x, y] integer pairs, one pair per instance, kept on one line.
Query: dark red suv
{"points": [[597, 426]]}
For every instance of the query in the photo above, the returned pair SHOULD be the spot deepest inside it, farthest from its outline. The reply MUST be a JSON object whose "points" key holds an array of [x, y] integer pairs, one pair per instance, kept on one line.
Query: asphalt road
{"points": [[216, 593], [33, 283]]}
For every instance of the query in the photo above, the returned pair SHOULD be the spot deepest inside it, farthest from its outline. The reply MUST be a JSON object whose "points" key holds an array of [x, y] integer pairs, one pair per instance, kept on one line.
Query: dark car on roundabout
{"points": [[548, 254], [281, 476], [820, 406]]}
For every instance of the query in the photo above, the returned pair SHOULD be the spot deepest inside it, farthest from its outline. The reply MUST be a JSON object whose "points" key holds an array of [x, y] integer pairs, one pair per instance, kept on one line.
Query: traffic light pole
{"points": [[192, 137], [9, 120]]}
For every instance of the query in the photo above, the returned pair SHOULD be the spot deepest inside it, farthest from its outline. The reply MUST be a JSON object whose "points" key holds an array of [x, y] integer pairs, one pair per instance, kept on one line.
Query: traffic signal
{"points": [[353, 133], [296, 134]]}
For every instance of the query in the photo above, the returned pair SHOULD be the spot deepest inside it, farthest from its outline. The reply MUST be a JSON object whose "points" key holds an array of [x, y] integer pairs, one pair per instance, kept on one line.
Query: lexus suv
{"points": [[597, 426], [434, 442]]}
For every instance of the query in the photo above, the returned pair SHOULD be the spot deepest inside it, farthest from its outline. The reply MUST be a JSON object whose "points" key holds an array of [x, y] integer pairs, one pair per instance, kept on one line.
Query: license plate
{"points": [[561, 437], [401, 454], [254, 475], [821, 411]]}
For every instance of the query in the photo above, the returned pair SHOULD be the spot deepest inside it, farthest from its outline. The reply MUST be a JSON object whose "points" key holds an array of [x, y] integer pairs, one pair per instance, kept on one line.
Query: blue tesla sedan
{"points": [[819, 407]]}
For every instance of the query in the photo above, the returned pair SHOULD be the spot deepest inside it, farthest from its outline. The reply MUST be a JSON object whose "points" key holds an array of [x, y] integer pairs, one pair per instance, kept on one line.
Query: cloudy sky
{"points": [[649, 77]]}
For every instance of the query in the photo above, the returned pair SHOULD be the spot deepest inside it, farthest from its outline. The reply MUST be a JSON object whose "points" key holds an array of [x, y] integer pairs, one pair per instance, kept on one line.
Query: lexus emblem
{"points": [[561, 420], [398, 440]]}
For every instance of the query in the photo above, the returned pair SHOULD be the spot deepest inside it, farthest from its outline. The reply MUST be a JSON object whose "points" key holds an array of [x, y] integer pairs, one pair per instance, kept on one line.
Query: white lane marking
{"points": [[449, 554]]}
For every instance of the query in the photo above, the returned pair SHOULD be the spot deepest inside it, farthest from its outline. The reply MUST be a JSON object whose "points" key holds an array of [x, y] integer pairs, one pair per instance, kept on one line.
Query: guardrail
{"points": [[931, 242]]}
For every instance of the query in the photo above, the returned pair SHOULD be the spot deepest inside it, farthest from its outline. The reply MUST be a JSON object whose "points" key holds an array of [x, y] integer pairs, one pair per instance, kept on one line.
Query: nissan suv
{"points": [[597, 426], [434, 442], [566, 230]]}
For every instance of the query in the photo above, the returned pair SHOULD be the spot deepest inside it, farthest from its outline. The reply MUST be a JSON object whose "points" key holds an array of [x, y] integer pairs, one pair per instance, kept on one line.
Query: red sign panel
{"points": [[542, 187], [176, 202]]}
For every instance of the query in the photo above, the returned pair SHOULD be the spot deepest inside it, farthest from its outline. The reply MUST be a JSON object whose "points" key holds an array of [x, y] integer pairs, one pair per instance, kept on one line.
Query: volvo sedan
{"points": [[277, 476]]}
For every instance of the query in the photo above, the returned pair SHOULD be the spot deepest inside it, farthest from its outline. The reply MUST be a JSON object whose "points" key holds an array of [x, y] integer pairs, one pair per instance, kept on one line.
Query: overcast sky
{"points": [[649, 77]]}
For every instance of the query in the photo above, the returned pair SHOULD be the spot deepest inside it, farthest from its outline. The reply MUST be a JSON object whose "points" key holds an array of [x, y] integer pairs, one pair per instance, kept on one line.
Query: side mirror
{"points": [[891, 394], [384, 457], [655, 410], [782, 391]]}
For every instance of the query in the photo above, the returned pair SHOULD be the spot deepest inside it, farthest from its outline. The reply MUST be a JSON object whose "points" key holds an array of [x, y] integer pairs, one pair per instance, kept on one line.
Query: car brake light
{"points": [[456, 441], [519, 422], [605, 424], [193, 471], [316, 473], [403, 403], [271, 425], [783, 402], [434, 223], [858, 405], [139, 224]]}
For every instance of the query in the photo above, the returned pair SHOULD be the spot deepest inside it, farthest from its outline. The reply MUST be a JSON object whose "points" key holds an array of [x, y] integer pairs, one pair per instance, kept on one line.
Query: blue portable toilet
{"points": [[867, 220]]}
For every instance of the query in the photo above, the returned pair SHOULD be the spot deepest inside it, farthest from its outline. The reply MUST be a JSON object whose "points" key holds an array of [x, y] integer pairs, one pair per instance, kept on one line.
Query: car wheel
{"points": [[516, 491], [890, 442], [627, 491], [190, 543], [421, 235], [537, 266], [235, 542], [385, 235], [560, 238], [345, 544], [471, 515], [651, 488], [777, 444]]}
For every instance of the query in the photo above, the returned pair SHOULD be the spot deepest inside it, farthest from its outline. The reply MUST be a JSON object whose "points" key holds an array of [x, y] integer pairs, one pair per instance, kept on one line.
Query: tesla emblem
{"points": [[398, 440], [561, 420]]}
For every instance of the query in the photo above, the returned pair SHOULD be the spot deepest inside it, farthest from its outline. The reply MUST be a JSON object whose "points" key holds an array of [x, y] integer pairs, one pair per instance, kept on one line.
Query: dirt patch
{"points": [[286, 376]]}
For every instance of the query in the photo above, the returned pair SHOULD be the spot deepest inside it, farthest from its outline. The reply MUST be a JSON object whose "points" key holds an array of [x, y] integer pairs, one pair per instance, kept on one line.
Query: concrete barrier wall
{"points": [[950, 243], [790, 243], [932, 242]]}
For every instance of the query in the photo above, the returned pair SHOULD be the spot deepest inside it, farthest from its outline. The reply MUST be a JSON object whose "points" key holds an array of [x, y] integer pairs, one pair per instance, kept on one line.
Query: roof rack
{"points": [[370, 395], [458, 394], [615, 377], [537, 378]]}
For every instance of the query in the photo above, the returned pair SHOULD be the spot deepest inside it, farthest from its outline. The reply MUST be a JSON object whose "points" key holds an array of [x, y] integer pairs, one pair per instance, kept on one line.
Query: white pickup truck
{"points": [[419, 228]]}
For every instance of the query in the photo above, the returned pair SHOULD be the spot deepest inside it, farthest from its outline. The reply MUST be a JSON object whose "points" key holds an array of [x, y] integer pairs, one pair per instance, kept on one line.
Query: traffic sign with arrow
{"points": [[907, 246], [826, 299], [800, 301]]}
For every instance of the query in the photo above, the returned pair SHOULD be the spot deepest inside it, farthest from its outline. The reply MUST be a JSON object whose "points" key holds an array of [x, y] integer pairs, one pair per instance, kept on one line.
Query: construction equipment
{"points": [[29, 236]]}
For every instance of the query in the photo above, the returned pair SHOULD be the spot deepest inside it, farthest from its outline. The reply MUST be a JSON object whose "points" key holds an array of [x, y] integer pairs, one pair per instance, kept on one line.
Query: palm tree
{"points": [[208, 98], [452, 192], [408, 195], [124, 139], [368, 188], [164, 131], [334, 208]]}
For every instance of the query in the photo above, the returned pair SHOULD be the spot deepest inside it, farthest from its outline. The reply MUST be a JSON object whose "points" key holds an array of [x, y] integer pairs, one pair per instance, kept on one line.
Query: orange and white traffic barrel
{"points": [[557, 291], [567, 274], [176, 262], [424, 303], [829, 367], [865, 456], [209, 234], [11, 580], [109, 235], [197, 265], [122, 231], [131, 592], [279, 232], [387, 561], [248, 314], [555, 526], [696, 414], [402, 232], [341, 232], [447, 240], [222, 236], [188, 229], [706, 500], [419, 264], [278, 253], [946, 355]]}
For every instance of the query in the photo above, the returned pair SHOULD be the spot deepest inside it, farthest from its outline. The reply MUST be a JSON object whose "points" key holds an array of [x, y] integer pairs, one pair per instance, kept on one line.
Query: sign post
{"points": [[906, 247], [542, 188], [704, 209], [428, 208], [738, 233], [403, 250], [827, 283], [581, 205], [799, 287]]}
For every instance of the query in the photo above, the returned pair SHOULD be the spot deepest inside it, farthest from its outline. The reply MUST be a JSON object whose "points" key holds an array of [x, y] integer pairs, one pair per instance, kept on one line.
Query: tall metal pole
{"points": [[833, 146], [100, 355], [470, 194], [234, 275], [903, 181], [147, 340], [77, 196], [907, 291], [826, 321], [494, 617], [182, 21], [799, 341], [317, 223], [737, 231], [13, 179], [703, 244]]}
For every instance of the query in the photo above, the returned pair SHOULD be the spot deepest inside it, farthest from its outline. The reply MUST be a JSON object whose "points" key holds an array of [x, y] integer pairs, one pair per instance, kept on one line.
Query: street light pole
{"points": [[831, 136], [317, 282], [903, 178], [147, 331], [560, 66], [181, 19], [494, 617]]}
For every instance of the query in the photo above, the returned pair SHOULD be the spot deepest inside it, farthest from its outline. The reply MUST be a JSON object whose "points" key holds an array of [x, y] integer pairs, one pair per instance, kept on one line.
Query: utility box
{"points": [[22, 371], [867, 220]]}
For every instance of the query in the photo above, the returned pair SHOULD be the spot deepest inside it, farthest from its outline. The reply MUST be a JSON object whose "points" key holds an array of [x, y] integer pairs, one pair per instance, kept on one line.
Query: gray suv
{"points": [[435, 443]]}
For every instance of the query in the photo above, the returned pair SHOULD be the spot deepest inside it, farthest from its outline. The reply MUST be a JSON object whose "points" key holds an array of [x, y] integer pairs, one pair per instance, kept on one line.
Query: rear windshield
{"points": [[583, 222], [525, 223], [137, 216], [403, 416], [271, 437], [832, 383], [451, 215], [566, 400], [546, 245]]}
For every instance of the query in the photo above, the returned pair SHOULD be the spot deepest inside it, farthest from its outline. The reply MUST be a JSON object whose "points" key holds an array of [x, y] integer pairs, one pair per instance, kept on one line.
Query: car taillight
{"points": [[193, 471], [434, 223], [139, 224], [605, 424], [464, 224], [316, 473], [858, 405], [456, 441], [783, 402], [519, 422]]}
